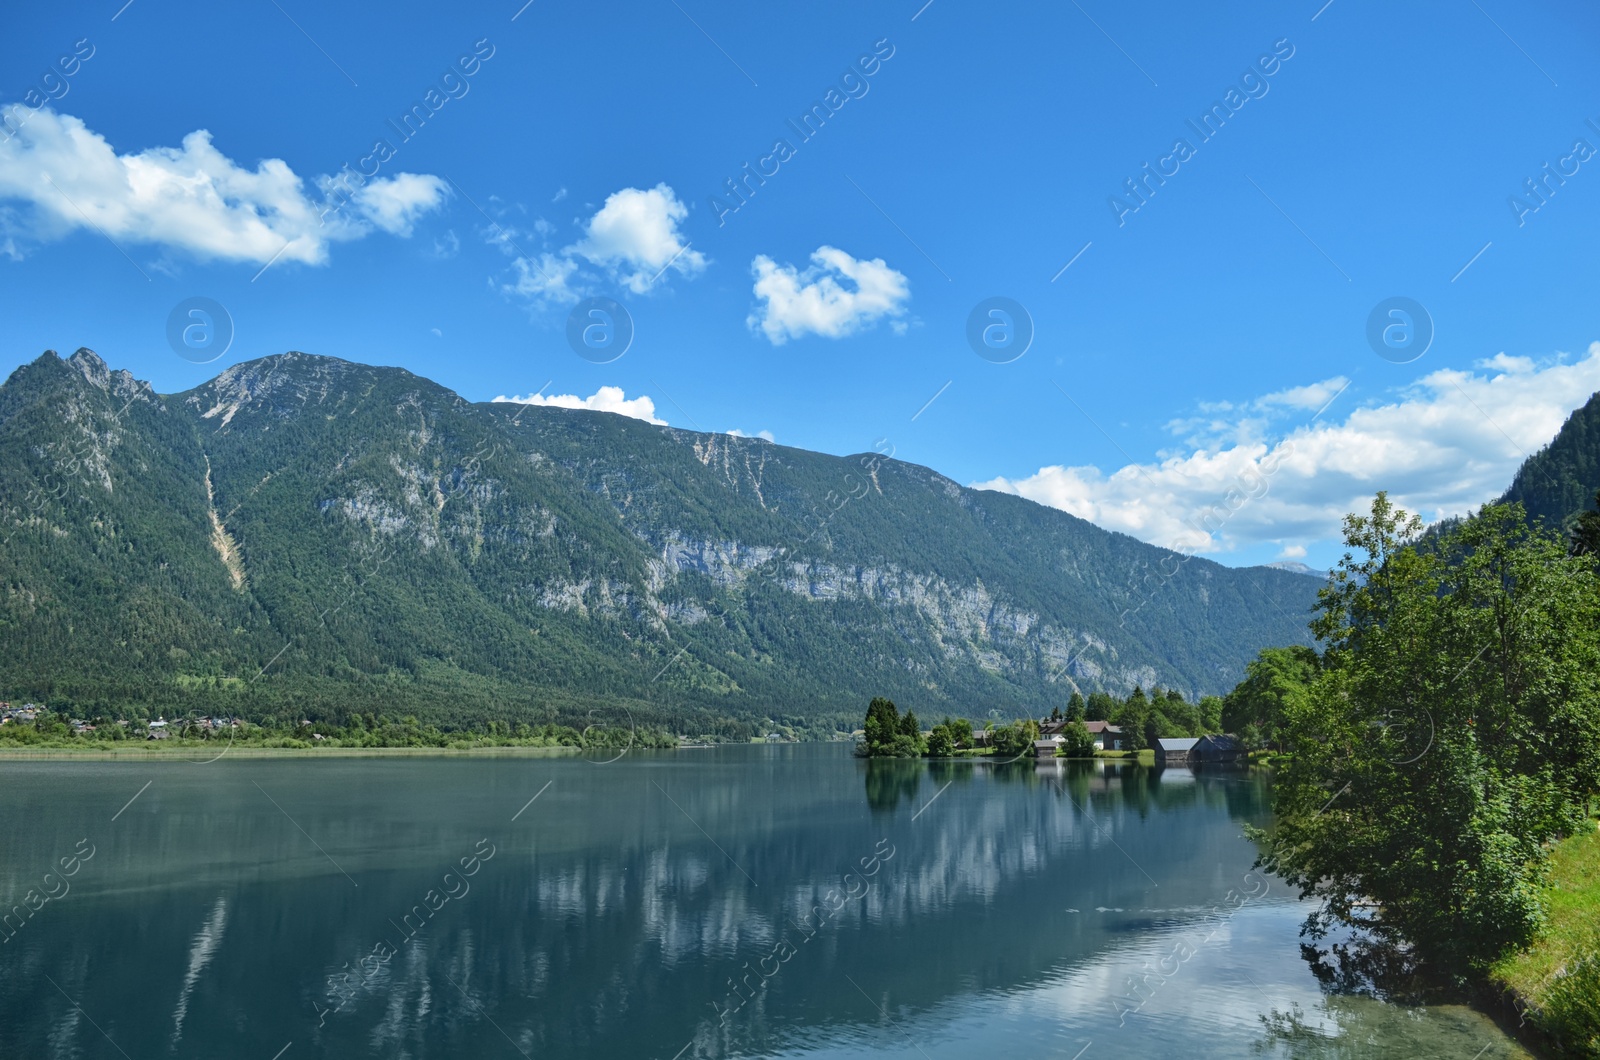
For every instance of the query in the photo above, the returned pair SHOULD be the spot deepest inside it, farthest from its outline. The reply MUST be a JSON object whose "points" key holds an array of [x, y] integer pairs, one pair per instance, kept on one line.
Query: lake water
{"points": [[740, 901]]}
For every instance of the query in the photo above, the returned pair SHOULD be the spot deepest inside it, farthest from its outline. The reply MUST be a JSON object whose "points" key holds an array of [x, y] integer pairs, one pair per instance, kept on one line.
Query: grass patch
{"points": [[1557, 979], [1144, 758], [285, 748]]}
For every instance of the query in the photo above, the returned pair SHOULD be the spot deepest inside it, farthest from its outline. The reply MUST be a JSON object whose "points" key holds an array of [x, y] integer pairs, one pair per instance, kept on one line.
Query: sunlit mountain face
{"points": [[305, 525]]}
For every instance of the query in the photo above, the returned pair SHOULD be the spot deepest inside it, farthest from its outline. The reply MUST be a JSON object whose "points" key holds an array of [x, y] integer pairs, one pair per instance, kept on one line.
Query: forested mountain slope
{"points": [[1560, 480], [305, 535]]}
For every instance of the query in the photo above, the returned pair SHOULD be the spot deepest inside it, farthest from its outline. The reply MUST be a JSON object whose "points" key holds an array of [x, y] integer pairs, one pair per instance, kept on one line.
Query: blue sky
{"points": [[1190, 349]]}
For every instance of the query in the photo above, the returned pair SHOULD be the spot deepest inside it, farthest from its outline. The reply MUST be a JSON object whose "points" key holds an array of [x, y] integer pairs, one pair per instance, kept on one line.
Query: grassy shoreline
{"points": [[1554, 985], [210, 752]]}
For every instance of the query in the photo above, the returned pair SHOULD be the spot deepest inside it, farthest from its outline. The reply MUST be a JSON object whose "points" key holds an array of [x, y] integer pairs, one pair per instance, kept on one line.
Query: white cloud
{"points": [[394, 203], [606, 399], [193, 197], [1503, 362], [1242, 421], [1293, 552], [635, 234], [767, 435], [632, 240], [1310, 398], [1443, 446], [545, 279], [815, 301]]}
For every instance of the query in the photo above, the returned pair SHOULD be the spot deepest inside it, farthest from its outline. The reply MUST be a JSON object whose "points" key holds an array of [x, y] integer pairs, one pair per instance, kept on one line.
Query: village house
{"points": [[26, 712], [1107, 737]]}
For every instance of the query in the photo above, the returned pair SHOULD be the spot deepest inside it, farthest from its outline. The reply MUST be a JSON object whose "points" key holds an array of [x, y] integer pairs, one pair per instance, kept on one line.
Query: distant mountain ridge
{"points": [[309, 535], [1560, 480], [1296, 567]]}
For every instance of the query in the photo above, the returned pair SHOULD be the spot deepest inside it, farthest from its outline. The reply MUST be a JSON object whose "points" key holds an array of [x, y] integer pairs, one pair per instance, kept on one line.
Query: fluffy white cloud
{"points": [[764, 435], [192, 197], [635, 234], [815, 301], [394, 203], [632, 240], [606, 399], [1441, 447]]}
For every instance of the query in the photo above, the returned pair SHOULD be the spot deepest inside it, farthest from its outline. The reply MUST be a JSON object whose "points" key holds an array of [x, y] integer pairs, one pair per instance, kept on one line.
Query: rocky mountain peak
{"points": [[89, 364]]}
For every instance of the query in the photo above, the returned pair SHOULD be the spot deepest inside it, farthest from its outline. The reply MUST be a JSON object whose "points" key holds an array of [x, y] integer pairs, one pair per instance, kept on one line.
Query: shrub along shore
{"points": [[1554, 984], [54, 735]]}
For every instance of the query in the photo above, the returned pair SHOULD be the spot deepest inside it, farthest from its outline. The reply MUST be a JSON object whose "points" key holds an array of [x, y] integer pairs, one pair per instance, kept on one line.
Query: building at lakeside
{"points": [[1107, 737], [1217, 750], [1174, 750]]}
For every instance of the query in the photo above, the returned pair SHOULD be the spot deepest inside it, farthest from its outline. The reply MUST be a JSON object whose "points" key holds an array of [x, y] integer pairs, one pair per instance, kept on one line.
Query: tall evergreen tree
{"points": [[1586, 531], [1132, 718], [881, 727]]}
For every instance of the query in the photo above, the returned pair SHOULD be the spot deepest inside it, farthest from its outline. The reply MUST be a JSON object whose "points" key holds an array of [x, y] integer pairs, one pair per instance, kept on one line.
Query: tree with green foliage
{"points": [[1133, 716], [1016, 738], [1076, 741], [1586, 531], [960, 730], [941, 742], [1179, 714], [1152, 731], [1277, 682], [1210, 715], [909, 742], [1101, 707], [1077, 710], [885, 730], [1452, 731]]}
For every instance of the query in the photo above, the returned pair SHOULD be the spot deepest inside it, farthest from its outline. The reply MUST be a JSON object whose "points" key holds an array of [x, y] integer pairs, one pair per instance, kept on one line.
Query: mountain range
{"points": [[307, 536]]}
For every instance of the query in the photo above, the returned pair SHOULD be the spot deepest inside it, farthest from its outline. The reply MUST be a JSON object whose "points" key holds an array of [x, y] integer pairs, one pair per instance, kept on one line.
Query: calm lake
{"points": [[740, 901]]}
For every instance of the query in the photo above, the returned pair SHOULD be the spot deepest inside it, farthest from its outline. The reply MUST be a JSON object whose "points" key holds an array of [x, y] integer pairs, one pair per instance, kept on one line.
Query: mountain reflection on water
{"points": [[737, 901]]}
